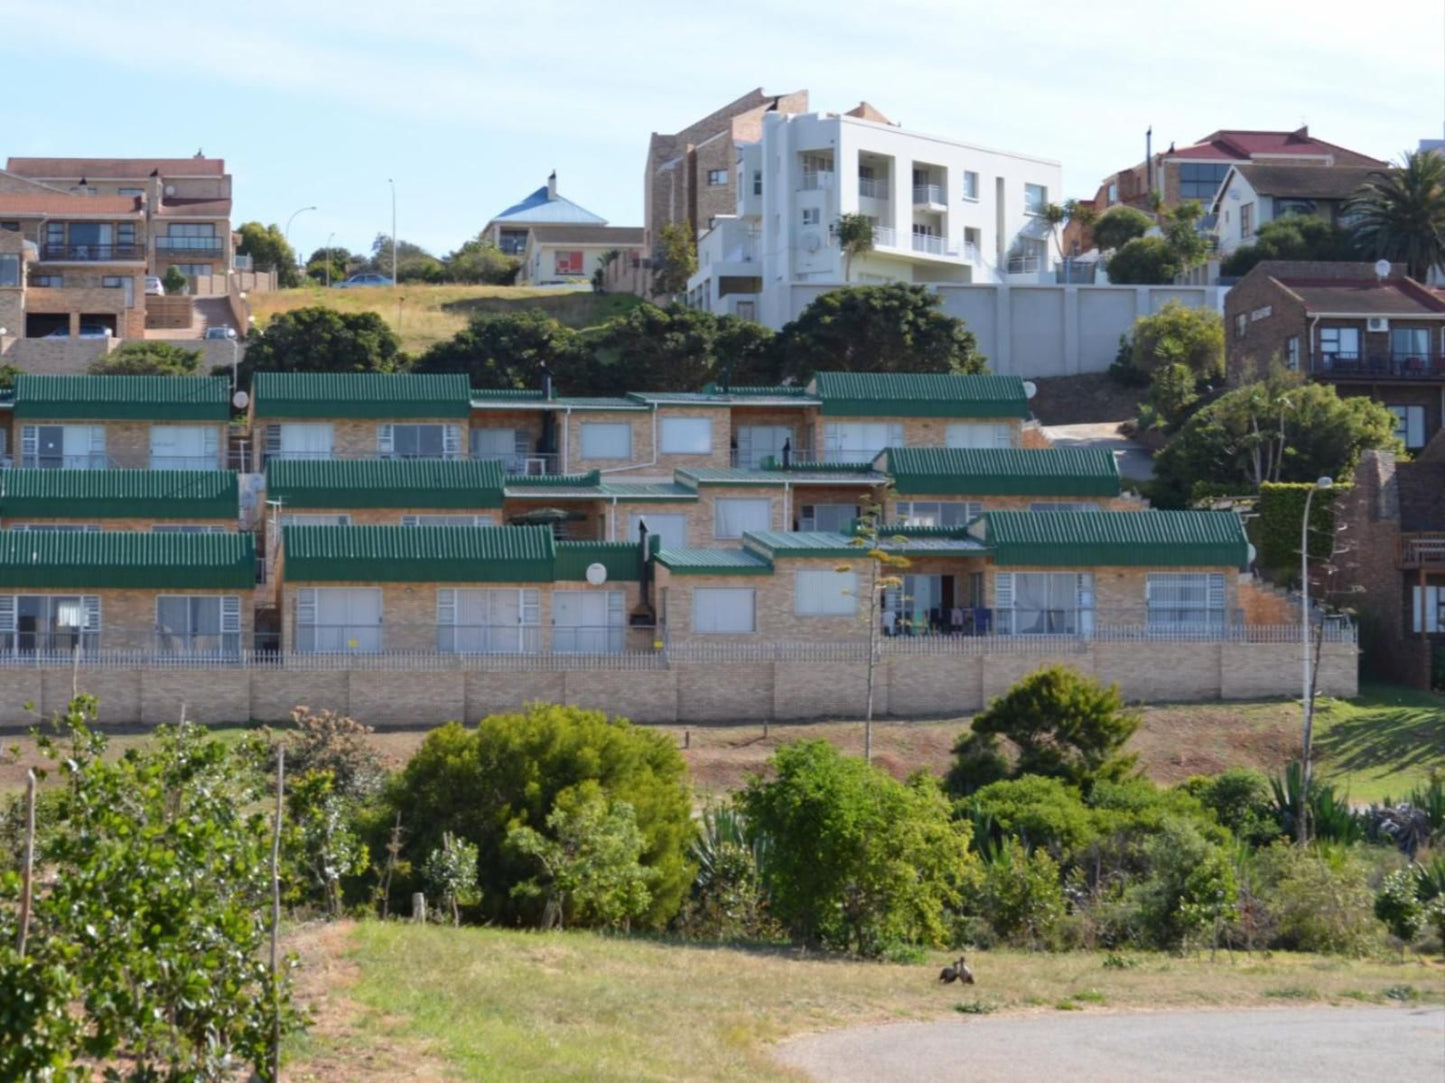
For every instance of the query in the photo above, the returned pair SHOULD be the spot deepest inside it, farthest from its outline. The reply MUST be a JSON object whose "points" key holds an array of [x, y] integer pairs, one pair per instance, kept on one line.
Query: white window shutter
{"points": [[306, 606], [7, 613], [1216, 591], [446, 606], [1003, 590], [29, 442], [385, 439], [273, 440], [92, 612], [451, 441], [230, 613], [531, 607]]}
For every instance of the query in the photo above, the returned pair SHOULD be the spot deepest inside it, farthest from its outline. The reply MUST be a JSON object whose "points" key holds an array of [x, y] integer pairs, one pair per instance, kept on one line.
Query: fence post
{"points": [[418, 908]]}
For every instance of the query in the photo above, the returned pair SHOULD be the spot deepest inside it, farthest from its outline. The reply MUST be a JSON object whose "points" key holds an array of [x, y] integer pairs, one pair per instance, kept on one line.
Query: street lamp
{"points": [[1301, 824], [327, 253], [286, 234], [391, 182]]}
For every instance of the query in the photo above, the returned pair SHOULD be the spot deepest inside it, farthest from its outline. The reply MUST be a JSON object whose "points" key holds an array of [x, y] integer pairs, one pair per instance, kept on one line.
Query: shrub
{"points": [[320, 339], [1020, 896], [147, 359], [1398, 906], [175, 281], [1189, 887], [1240, 800], [451, 873], [1118, 226], [1319, 897], [1281, 509], [727, 900], [1043, 813], [1144, 261]]}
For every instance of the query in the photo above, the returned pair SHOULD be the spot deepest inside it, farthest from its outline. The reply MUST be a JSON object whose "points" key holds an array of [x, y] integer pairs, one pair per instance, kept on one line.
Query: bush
{"points": [[1042, 813], [1281, 509], [1020, 896], [147, 359], [1189, 888], [1240, 800], [1296, 237], [1118, 226], [175, 281], [320, 339], [1144, 261], [1320, 898], [727, 900], [1397, 905]]}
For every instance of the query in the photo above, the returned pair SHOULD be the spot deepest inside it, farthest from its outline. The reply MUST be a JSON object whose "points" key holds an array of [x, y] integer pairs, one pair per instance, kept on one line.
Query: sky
{"points": [[469, 105]]}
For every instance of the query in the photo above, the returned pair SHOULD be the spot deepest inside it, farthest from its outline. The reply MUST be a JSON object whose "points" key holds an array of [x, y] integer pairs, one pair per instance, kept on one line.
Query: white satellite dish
{"points": [[240, 400], [1030, 389], [597, 574], [811, 242], [170, 189], [1382, 268]]}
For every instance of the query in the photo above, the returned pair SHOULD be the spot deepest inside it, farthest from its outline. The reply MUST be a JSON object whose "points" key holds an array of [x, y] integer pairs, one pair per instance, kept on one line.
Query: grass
{"points": [[1383, 744], [492, 1004], [431, 314]]}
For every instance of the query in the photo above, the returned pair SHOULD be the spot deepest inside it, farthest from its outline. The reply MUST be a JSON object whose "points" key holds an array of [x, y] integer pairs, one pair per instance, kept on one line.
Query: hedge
{"points": [[1276, 531]]}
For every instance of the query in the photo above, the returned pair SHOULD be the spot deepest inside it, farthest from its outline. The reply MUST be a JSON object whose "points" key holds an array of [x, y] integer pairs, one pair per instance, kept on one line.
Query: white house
{"points": [[944, 212], [1252, 194], [568, 254]]}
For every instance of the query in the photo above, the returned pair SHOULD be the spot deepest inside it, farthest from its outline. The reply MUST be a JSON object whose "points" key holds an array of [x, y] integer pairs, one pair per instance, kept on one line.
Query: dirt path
{"points": [[1308, 1045]]}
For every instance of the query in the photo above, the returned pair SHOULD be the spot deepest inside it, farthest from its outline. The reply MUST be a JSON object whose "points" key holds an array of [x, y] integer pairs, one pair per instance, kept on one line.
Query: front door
{"points": [[587, 622]]}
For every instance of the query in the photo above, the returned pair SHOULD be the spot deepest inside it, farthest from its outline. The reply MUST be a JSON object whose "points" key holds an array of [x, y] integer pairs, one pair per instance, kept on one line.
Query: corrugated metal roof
{"points": [[734, 475], [898, 394], [765, 390], [831, 544], [430, 554], [383, 395], [647, 490], [385, 483], [525, 399], [721, 399], [119, 494], [127, 559], [623, 560], [1003, 471], [544, 206], [1117, 538], [122, 398], [714, 562], [591, 479]]}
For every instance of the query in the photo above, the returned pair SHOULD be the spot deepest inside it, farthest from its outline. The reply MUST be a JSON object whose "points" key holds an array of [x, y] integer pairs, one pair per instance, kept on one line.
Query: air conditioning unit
{"points": [[1377, 323]]}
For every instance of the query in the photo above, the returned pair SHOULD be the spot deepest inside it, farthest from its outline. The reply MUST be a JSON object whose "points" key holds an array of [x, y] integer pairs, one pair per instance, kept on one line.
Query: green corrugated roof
{"points": [[127, 559], [1004, 471], [898, 394], [384, 483], [589, 480], [119, 494], [834, 545], [502, 398], [733, 475], [714, 562], [760, 390], [382, 395], [429, 554], [122, 398], [647, 490], [623, 560], [1116, 538]]}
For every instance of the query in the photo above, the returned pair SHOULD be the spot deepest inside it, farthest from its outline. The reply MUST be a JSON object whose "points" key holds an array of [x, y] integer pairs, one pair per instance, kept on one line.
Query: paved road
{"points": [[1308, 1045], [1134, 461]]}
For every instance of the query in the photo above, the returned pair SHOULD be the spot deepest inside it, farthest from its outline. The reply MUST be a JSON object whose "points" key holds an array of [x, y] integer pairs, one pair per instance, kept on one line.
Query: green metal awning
{"points": [[429, 554], [714, 562], [1206, 539], [940, 471], [384, 483], [897, 394], [119, 494], [126, 560], [381, 395], [122, 398]]}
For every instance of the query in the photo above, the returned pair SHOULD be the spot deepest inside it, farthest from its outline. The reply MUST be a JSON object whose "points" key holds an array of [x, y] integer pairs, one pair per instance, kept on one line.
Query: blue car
{"points": [[363, 280]]}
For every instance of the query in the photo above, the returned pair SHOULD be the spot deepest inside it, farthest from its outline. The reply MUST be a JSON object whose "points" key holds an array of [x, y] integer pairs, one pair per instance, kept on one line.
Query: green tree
{"points": [[1181, 233], [1180, 334], [894, 328], [1144, 261], [854, 233], [147, 358], [675, 348], [675, 259], [328, 264], [592, 872], [480, 261], [413, 262], [1064, 724], [320, 339], [174, 281], [510, 770], [322, 843], [1041, 812], [1240, 800], [1399, 213], [267, 247], [451, 873], [1399, 907], [509, 350], [1020, 896], [1189, 887], [1119, 225], [1295, 237], [857, 859], [1278, 429]]}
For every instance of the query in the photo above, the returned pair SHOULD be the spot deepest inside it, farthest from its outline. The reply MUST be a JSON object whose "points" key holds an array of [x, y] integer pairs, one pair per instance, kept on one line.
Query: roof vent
{"points": [[552, 185]]}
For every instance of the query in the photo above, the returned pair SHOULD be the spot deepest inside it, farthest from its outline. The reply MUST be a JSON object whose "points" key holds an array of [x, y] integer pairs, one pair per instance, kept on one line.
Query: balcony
{"points": [[815, 180], [1075, 272], [189, 246], [1423, 550], [1023, 265], [929, 195], [1378, 366], [885, 237], [873, 187], [92, 253], [934, 245]]}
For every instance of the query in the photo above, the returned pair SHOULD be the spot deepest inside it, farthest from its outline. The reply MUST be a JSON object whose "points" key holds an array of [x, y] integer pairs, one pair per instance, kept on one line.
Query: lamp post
{"points": [[392, 182], [327, 252], [286, 234], [1301, 814]]}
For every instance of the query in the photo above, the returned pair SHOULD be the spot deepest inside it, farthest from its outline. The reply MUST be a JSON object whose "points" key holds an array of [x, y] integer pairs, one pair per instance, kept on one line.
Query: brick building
{"points": [[1367, 334]]}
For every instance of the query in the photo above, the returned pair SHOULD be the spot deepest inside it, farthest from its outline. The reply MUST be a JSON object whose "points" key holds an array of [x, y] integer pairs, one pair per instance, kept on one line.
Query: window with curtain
{"points": [[184, 447], [822, 592], [63, 447], [859, 441], [1044, 603], [605, 440], [343, 619], [1339, 343], [1428, 607], [497, 621], [1184, 600], [299, 440], [1410, 425], [9, 269], [723, 610], [418, 441], [1409, 342], [834, 517], [510, 447], [735, 516], [49, 623], [685, 435], [194, 625], [670, 526]]}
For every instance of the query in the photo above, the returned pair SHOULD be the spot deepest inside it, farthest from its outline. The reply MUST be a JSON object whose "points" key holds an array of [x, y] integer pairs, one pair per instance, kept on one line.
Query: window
{"points": [[588, 622], [1113, 192], [716, 178], [859, 441], [979, 434], [53, 282], [1063, 505], [828, 517], [130, 191], [811, 216], [606, 440], [1409, 343], [735, 516], [747, 310], [970, 185], [1036, 198], [567, 263], [193, 270], [10, 227], [670, 527], [58, 528], [934, 604], [184, 447], [1339, 344], [9, 269], [757, 182], [1241, 325], [1283, 208], [187, 528], [314, 519], [191, 237], [125, 234], [1434, 609], [299, 440], [1198, 181], [1291, 352], [758, 443], [723, 610], [63, 447], [344, 619], [446, 520], [825, 593], [121, 282], [1044, 603], [489, 621], [1246, 220], [195, 625], [510, 447], [686, 435], [418, 441], [939, 512], [1185, 600], [49, 623], [1410, 426]]}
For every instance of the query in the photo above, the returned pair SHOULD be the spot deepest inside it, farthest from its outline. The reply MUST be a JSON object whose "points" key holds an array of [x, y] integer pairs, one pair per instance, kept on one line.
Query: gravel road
{"points": [[1309, 1045]]}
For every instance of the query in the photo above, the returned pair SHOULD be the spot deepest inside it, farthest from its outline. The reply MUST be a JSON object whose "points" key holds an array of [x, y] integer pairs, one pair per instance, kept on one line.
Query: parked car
{"points": [[87, 330], [220, 332], [363, 280], [154, 287]]}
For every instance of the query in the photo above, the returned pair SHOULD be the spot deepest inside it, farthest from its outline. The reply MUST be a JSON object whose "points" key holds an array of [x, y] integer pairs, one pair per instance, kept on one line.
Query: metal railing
{"points": [[529, 464], [928, 193], [1023, 265], [1425, 548], [816, 180], [873, 187], [186, 462], [1403, 366], [188, 244], [885, 236], [934, 244], [1075, 272], [97, 460], [93, 253]]}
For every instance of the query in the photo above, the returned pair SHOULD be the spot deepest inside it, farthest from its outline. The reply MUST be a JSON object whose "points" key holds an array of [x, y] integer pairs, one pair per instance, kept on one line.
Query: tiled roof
{"points": [[1306, 181], [1107, 538], [123, 168], [1004, 471], [54, 204], [119, 494], [1240, 145], [384, 483], [117, 398], [429, 554], [714, 562], [1366, 297], [538, 207], [619, 236], [127, 559], [382, 395], [891, 394]]}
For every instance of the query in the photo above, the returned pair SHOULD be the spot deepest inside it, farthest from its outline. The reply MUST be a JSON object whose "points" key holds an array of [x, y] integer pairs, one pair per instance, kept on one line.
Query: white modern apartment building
{"points": [[943, 212]]}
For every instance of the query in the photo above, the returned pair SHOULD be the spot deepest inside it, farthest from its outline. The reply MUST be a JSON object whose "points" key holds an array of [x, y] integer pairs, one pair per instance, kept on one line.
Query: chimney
{"points": [[552, 185], [546, 383]]}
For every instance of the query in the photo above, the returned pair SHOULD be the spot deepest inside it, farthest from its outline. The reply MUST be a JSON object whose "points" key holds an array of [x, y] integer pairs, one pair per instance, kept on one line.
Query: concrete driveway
{"points": [[1307, 1045], [1134, 460]]}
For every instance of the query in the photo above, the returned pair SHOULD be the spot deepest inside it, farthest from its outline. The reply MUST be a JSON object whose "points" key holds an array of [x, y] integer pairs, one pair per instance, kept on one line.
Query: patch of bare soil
{"points": [[1075, 400], [1205, 739]]}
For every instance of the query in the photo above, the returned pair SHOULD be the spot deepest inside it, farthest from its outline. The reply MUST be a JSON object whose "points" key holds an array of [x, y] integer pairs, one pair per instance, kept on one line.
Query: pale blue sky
{"points": [[469, 105]]}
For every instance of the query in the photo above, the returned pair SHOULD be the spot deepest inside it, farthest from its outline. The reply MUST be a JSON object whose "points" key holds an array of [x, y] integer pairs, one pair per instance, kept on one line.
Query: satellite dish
{"points": [[170, 189], [1030, 389], [811, 242], [240, 400], [597, 574], [1382, 268], [1250, 554]]}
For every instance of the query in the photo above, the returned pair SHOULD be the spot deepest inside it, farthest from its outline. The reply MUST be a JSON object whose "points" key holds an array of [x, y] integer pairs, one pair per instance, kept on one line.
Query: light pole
{"points": [[392, 182], [327, 252], [286, 234], [1302, 813]]}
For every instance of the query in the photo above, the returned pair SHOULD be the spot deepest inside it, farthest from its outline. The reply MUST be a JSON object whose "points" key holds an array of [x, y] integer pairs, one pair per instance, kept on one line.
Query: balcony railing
{"points": [[928, 194], [1423, 550], [873, 187], [92, 253], [525, 464], [933, 244], [1075, 272], [1392, 366], [1023, 265], [44, 460], [885, 236], [816, 180], [188, 244]]}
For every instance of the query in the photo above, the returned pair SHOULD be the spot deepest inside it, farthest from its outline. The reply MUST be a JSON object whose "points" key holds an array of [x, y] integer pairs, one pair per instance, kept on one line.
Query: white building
{"points": [[1251, 195], [943, 212]]}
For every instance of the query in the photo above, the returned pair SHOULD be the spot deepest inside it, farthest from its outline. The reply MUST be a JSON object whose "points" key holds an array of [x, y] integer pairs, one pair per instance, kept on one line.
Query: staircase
{"points": [[213, 312]]}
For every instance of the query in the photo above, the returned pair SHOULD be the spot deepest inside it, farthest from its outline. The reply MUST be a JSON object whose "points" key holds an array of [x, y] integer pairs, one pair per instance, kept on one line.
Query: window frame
{"points": [[711, 593], [1034, 208], [732, 501], [810, 602], [595, 428], [970, 185], [669, 445]]}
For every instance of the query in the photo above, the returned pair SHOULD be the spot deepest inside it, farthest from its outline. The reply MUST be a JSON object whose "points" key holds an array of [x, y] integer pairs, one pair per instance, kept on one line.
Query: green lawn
{"points": [[1382, 744]]}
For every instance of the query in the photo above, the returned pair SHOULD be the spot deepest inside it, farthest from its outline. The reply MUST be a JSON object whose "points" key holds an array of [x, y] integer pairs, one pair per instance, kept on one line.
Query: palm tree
{"points": [[855, 236], [1056, 216], [1399, 213]]}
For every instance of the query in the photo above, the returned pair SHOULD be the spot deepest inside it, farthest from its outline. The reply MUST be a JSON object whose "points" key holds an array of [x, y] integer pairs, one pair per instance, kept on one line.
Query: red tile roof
{"points": [[1236, 145], [116, 167], [1393, 297], [54, 204], [218, 208]]}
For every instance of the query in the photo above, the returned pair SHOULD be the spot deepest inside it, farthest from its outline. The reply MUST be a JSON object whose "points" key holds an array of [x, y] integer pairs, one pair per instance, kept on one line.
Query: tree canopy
{"points": [[267, 247], [1295, 237], [679, 349], [1399, 213], [1119, 225], [508, 350], [1144, 261], [320, 339], [147, 357], [676, 258]]}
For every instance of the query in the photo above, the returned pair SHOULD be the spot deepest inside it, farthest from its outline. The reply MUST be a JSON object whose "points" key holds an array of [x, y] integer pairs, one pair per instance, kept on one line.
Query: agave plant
{"points": [[1330, 816]]}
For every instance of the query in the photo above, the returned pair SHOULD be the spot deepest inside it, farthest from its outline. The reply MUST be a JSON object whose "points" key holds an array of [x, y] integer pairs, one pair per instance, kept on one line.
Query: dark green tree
{"points": [[147, 358], [413, 262], [1119, 225], [509, 350], [1144, 261], [267, 247], [332, 261], [174, 281], [895, 328], [1296, 237], [320, 339], [480, 262], [1399, 213]]}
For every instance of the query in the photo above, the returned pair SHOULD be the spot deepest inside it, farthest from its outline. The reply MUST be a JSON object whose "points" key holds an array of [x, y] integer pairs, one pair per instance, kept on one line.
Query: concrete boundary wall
{"points": [[917, 686]]}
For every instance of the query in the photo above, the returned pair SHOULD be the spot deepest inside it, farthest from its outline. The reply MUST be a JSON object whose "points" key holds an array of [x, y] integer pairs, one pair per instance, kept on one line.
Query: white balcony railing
{"points": [[816, 180], [885, 237], [934, 245], [928, 193], [873, 187]]}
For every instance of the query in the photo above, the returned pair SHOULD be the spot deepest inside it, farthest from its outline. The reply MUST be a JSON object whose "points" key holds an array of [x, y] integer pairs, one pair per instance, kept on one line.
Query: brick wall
{"points": [[918, 431], [60, 356], [1249, 356]]}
